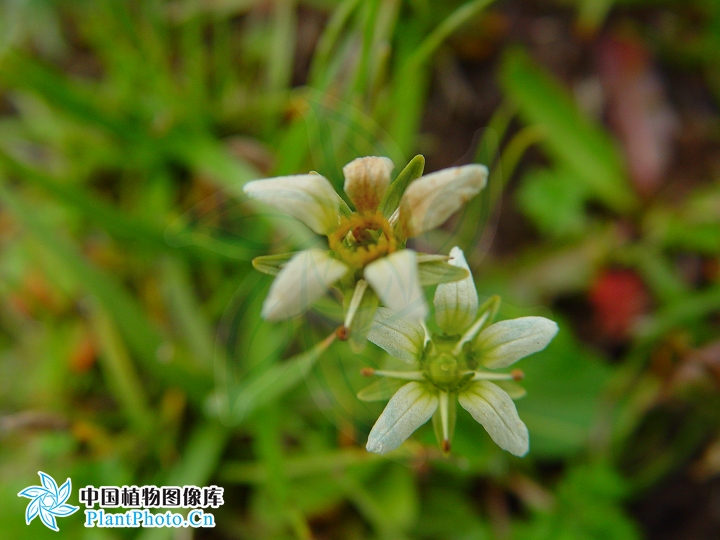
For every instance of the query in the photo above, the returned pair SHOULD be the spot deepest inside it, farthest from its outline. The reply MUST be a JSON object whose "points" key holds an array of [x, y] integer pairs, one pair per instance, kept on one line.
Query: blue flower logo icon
{"points": [[48, 501]]}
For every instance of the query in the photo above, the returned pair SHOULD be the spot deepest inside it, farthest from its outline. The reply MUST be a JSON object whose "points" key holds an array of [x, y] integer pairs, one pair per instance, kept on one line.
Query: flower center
{"points": [[362, 238], [446, 371]]}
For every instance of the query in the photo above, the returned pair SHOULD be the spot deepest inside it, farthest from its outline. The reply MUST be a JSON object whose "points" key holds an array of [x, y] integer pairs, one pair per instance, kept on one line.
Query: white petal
{"points": [[456, 303], [492, 407], [366, 180], [309, 198], [407, 410], [429, 201], [400, 337], [505, 342], [304, 279], [395, 280]]}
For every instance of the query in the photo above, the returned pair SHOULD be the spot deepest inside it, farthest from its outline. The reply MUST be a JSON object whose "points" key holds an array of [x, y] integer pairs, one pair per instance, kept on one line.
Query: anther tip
{"points": [[367, 372], [342, 332], [517, 374], [446, 446]]}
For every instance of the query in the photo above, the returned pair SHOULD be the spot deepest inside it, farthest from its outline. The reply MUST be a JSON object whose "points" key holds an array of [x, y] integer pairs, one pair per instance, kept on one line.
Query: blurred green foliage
{"points": [[131, 346]]}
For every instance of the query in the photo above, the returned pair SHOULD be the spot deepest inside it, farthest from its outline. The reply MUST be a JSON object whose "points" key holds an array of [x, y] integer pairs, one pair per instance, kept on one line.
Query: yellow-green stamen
{"points": [[362, 238]]}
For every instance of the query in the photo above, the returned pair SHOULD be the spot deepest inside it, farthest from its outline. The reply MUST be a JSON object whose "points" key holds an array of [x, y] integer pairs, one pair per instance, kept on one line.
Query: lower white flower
{"points": [[453, 366]]}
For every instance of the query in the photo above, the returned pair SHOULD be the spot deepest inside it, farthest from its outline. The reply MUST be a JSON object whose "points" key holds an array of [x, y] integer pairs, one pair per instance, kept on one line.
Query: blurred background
{"points": [[131, 348]]}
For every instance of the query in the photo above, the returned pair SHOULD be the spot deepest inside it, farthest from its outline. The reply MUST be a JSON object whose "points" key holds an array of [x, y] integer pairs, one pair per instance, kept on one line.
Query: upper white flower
{"points": [[455, 365], [367, 246]]}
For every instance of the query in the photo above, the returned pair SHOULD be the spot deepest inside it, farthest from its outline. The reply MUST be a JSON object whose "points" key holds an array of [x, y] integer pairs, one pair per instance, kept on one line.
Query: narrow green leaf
{"points": [[412, 76], [412, 171], [112, 220], [19, 70], [139, 333], [359, 83], [119, 371], [564, 384], [396, 493], [202, 152], [339, 132], [273, 382], [282, 51], [299, 466], [186, 312], [443, 30], [200, 459], [272, 264], [141, 233], [328, 39], [555, 202], [269, 447], [571, 138]]}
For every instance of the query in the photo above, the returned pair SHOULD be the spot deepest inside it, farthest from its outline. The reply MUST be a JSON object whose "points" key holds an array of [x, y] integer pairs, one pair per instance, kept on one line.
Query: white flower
{"points": [[454, 367], [367, 258]]}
